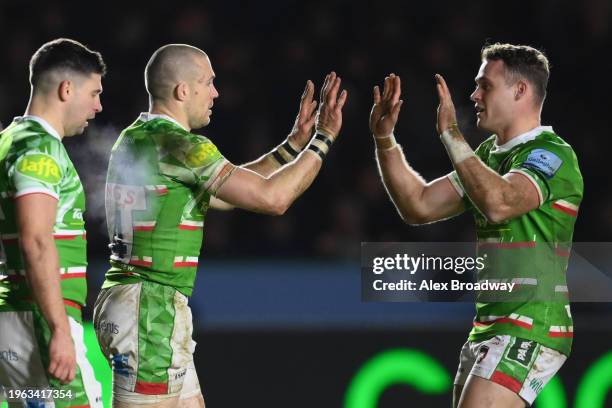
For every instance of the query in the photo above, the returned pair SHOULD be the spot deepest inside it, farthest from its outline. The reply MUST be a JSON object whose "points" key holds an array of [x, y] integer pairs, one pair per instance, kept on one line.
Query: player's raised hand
{"points": [[386, 108], [446, 108], [329, 116], [302, 128], [62, 357]]}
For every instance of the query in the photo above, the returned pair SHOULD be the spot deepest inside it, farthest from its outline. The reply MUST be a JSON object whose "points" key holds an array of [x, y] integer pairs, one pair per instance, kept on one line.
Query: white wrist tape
{"points": [[457, 148], [385, 142]]}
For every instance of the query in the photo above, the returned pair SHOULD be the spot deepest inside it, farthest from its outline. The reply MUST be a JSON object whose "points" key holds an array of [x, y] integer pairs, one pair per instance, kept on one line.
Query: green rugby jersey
{"points": [[158, 187], [531, 250], [34, 160]]}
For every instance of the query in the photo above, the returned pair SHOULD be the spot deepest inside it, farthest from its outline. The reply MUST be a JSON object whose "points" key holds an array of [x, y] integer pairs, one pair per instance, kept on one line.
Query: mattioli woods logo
{"points": [[40, 167]]}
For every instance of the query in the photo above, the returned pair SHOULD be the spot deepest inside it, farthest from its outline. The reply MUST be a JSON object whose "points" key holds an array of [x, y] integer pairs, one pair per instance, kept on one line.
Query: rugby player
{"points": [[161, 178], [43, 255], [523, 187]]}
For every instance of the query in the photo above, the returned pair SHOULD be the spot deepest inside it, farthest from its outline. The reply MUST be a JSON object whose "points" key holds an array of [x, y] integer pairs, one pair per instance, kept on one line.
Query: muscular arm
{"points": [[287, 151], [275, 194], [499, 198], [417, 201], [35, 218]]}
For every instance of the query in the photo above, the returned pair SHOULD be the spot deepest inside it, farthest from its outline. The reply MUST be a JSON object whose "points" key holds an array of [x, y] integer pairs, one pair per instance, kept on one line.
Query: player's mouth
{"points": [[479, 110]]}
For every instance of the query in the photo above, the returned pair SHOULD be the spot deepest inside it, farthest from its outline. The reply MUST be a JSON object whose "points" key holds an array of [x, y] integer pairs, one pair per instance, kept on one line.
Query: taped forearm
{"points": [[284, 153]]}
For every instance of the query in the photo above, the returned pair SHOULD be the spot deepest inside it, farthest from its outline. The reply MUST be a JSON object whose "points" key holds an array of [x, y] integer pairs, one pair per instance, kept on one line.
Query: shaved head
{"points": [[169, 65]]}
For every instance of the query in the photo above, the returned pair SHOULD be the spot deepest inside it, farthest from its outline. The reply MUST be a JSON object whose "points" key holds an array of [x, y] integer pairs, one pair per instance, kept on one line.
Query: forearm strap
{"points": [[284, 153], [456, 146], [385, 142], [320, 144]]}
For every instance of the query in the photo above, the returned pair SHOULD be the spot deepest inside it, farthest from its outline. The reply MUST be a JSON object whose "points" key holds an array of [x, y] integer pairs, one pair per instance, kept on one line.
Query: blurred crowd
{"points": [[263, 53]]}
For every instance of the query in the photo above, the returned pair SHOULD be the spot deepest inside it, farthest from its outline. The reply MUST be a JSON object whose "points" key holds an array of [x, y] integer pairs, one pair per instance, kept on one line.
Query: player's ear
{"points": [[65, 90], [181, 91], [520, 89]]}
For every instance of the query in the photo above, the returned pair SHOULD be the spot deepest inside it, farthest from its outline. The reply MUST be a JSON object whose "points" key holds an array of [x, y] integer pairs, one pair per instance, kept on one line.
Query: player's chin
{"points": [[76, 132]]}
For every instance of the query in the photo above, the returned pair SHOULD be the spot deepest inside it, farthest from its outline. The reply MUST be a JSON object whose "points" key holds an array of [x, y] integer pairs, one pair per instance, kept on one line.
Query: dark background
{"points": [[262, 53]]}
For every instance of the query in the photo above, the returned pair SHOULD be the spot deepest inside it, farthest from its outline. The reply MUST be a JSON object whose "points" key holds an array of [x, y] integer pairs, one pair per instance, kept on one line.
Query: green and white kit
{"points": [[531, 250], [34, 160], [159, 183]]}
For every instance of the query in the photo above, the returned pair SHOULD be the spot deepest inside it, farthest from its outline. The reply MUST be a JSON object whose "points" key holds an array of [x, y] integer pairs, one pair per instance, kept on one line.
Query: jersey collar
{"points": [[41, 122], [147, 116], [520, 139]]}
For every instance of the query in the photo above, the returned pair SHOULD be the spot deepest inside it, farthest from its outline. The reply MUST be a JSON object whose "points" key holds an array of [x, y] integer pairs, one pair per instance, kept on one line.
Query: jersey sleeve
{"points": [[39, 169], [549, 167], [195, 161]]}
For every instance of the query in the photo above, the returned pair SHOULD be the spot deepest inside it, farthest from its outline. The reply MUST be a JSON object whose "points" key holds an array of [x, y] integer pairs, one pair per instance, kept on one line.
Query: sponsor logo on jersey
{"points": [[521, 351], [544, 161], [77, 214], [180, 374], [8, 355], [202, 154], [107, 327], [536, 385], [41, 167]]}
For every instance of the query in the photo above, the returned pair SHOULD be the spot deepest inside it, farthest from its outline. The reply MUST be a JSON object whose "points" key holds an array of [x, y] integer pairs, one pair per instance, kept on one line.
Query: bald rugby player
{"points": [[161, 180]]}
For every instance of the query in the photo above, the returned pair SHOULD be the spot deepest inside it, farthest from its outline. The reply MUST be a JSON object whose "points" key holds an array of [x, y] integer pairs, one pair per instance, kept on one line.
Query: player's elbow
{"points": [[414, 219], [497, 214], [276, 203], [414, 216], [33, 245]]}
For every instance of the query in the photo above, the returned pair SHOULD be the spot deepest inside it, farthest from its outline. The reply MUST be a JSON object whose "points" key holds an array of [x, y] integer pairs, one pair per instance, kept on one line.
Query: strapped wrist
{"points": [[455, 144], [385, 142], [320, 144]]}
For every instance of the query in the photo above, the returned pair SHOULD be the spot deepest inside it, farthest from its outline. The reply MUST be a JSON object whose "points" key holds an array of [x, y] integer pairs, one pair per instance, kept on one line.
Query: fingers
{"points": [[333, 90], [376, 95], [329, 79], [62, 369], [387, 88], [397, 89], [396, 110], [342, 99], [443, 91], [308, 91]]}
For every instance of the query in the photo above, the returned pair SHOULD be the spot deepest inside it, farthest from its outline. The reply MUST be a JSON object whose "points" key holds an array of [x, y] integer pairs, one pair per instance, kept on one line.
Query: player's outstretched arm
{"points": [[287, 151], [275, 194], [499, 198], [35, 218], [417, 201]]}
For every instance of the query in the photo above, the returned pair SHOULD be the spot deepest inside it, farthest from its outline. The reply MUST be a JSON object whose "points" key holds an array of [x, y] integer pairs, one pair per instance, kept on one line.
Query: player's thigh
{"points": [[467, 358], [26, 336], [481, 393], [166, 403], [146, 330], [196, 401], [20, 358], [510, 368]]}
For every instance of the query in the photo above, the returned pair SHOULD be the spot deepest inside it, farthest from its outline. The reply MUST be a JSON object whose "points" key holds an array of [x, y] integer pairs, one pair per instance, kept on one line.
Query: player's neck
{"points": [[38, 107], [515, 129], [176, 114]]}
